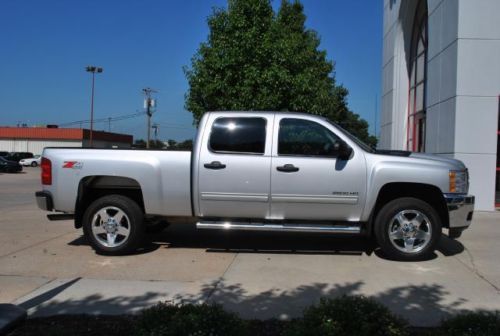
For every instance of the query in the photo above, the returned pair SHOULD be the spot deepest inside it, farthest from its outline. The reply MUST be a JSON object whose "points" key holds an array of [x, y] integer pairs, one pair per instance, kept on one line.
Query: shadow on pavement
{"points": [[219, 241], [48, 295], [424, 305]]}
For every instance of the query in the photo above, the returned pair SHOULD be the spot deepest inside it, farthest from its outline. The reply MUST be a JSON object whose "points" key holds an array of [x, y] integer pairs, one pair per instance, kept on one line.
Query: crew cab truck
{"points": [[269, 171]]}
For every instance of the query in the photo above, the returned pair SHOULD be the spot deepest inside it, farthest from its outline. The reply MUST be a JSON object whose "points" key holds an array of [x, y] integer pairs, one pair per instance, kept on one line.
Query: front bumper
{"points": [[460, 209], [44, 200]]}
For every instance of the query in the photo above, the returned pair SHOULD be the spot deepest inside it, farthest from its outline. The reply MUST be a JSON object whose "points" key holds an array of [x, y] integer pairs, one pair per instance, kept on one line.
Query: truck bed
{"points": [[163, 176]]}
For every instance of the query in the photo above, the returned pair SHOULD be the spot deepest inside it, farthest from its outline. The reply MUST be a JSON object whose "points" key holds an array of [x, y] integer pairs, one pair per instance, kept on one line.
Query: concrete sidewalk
{"points": [[47, 268], [282, 283]]}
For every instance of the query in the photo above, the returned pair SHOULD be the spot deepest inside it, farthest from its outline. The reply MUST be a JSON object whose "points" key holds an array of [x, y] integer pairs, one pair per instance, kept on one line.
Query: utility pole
{"points": [[92, 69], [155, 127], [148, 104], [109, 124], [375, 122]]}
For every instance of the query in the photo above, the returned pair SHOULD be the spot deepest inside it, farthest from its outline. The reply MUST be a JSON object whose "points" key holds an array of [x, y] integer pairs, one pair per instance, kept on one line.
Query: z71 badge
{"points": [[73, 165]]}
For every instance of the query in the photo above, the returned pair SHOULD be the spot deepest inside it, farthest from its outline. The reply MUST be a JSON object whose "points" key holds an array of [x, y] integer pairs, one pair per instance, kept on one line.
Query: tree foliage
{"points": [[185, 145], [256, 59], [153, 144]]}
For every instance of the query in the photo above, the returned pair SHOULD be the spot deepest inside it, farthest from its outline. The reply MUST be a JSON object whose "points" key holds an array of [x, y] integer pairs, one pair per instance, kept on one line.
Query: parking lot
{"points": [[48, 268]]}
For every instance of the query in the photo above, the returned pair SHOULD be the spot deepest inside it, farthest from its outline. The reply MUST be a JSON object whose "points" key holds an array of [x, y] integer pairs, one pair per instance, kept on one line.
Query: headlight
{"points": [[459, 181]]}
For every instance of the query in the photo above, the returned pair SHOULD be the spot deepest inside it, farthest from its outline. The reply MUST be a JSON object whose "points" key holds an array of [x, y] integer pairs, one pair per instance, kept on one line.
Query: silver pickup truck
{"points": [[270, 171]]}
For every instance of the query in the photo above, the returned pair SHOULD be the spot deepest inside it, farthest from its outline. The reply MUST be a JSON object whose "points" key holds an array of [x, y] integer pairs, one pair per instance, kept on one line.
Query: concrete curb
{"points": [[10, 317]]}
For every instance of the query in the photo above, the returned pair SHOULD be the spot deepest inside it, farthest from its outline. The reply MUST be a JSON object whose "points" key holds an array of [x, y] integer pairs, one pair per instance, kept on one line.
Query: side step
{"points": [[250, 226], [57, 217]]}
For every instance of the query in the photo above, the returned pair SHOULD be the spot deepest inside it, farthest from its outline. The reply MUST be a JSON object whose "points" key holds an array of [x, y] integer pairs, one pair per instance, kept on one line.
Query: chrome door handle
{"points": [[214, 165], [288, 168]]}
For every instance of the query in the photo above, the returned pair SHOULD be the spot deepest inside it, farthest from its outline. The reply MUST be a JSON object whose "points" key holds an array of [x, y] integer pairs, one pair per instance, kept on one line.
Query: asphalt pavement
{"points": [[48, 268]]}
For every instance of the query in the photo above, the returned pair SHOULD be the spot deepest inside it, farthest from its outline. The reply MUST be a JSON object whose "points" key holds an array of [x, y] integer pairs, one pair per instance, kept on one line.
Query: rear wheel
{"points": [[34, 164], [113, 225], [407, 229]]}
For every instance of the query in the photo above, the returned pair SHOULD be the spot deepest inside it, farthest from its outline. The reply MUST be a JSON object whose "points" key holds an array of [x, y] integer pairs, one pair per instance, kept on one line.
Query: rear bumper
{"points": [[460, 209], [44, 200]]}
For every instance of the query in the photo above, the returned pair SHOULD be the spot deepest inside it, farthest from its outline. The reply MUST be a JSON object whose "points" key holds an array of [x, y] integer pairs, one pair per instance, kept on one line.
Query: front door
{"points": [[234, 166], [308, 181]]}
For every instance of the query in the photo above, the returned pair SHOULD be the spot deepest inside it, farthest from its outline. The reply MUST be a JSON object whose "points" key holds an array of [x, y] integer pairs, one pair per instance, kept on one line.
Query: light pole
{"points": [[92, 69]]}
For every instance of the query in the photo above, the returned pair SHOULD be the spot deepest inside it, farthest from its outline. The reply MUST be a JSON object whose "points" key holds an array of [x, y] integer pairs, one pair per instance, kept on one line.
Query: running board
{"points": [[248, 226]]}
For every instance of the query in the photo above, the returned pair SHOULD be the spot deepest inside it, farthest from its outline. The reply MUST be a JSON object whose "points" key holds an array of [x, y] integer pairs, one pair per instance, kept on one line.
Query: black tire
{"points": [[34, 164], [134, 222], [386, 221]]}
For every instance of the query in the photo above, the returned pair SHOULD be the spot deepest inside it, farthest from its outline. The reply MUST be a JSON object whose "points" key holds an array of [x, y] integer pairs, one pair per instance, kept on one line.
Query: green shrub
{"points": [[348, 315], [167, 319], [471, 324]]}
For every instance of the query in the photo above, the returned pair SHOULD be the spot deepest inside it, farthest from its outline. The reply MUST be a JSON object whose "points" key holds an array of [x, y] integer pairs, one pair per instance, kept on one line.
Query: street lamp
{"points": [[93, 70]]}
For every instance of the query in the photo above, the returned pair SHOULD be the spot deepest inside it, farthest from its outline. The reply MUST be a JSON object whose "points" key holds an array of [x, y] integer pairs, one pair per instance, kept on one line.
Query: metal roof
{"points": [[39, 133]]}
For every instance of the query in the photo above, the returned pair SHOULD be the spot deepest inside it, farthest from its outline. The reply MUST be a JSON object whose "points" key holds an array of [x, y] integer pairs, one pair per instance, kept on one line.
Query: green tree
{"points": [[172, 144], [185, 145], [140, 143], [255, 59], [153, 144]]}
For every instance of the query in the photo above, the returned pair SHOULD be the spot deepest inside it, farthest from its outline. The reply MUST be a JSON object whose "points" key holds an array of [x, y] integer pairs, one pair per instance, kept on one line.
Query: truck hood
{"points": [[452, 163], [456, 164]]}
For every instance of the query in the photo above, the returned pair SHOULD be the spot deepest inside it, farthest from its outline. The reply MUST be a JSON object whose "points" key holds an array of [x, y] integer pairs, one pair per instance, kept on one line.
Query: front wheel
{"points": [[113, 225], [407, 229]]}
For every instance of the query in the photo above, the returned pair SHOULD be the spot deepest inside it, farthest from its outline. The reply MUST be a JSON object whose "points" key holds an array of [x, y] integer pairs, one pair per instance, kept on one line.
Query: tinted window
{"points": [[306, 138], [238, 135]]}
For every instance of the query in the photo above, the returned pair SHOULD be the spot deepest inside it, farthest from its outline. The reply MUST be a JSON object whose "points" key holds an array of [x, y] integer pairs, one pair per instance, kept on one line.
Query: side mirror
{"points": [[344, 150]]}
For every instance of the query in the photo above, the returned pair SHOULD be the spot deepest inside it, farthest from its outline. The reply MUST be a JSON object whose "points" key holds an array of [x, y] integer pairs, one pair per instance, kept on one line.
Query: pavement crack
{"points": [[221, 278], [475, 270], [34, 245]]}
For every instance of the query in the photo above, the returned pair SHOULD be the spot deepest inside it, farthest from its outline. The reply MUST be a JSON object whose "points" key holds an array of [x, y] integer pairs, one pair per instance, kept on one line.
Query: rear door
{"points": [[234, 166]]}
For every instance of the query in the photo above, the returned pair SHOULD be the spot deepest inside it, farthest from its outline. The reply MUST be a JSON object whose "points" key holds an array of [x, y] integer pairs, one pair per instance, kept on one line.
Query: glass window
{"points": [[418, 81], [238, 135], [419, 98], [306, 138], [420, 68], [497, 184]]}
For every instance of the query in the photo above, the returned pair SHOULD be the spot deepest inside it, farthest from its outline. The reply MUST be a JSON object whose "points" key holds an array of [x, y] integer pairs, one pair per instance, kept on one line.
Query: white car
{"points": [[33, 162]]}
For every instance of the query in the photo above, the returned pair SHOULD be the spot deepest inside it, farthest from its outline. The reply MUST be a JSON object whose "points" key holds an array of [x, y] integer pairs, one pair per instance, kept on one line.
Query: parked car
{"points": [[33, 162], [3, 153], [18, 156], [9, 166], [262, 171]]}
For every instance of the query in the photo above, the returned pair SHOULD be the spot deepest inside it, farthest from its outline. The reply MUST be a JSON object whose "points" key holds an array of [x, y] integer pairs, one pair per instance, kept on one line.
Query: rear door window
{"points": [[238, 136]]}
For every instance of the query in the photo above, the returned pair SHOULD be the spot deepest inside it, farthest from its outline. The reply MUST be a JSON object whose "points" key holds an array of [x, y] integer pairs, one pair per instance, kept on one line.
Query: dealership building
{"points": [[35, 139], [441, 85]]}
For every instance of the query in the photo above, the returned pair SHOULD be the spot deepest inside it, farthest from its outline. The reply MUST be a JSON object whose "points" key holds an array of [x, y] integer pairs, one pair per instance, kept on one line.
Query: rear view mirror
{"points": [[344, 150]]}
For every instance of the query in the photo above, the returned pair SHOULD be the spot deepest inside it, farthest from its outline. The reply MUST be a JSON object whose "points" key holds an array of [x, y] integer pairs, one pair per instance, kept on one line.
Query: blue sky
{"points": [[45, 46]]}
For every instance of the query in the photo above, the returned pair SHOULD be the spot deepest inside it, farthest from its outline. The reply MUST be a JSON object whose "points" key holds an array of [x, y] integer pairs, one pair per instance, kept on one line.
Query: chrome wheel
{"points": [[410, 231], [111, 226]]}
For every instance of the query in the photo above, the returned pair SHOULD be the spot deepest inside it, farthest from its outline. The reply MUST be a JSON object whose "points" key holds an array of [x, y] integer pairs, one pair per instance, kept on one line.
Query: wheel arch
{"points": [[424, 192], [91, 188]]}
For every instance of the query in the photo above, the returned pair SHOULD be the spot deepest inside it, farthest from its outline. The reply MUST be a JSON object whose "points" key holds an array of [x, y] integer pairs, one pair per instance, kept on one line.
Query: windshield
{"points": [[358, 142]]}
